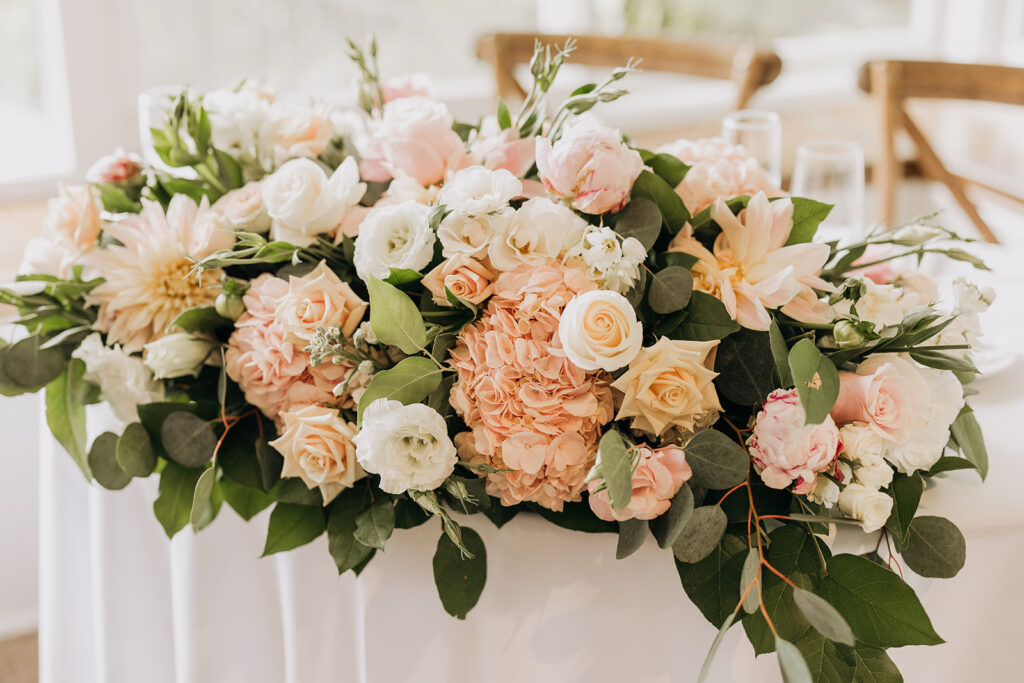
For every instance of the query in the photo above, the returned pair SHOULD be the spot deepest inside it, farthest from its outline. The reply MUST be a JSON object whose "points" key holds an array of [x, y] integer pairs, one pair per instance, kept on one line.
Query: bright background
{"points": [[70, 71]]}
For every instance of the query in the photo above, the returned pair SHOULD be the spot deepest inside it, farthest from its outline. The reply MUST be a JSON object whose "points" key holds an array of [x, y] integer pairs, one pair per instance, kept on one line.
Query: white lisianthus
{"points": [[476, 190], [540, 231], [970, 301], [874, 475], [970, 298], [870, 506], [396, 236], [303, 202], [124, 381], [825, 492], [924, 448], [408, 446], [239, 121], [611, 262], [861, 443], [599, 331], [470, 236], [177, 355]]}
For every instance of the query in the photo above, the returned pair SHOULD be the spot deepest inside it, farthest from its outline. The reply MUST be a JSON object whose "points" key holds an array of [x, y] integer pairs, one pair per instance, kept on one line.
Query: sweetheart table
{"points": [[119, 604]]}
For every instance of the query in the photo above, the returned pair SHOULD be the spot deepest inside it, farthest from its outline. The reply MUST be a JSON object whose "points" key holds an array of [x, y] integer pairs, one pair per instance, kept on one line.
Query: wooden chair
{"points": [[747, 67], [892, 83]]}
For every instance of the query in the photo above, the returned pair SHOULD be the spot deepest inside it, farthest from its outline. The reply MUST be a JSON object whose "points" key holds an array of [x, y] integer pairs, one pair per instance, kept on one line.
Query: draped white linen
{"points": [[119, 604]]}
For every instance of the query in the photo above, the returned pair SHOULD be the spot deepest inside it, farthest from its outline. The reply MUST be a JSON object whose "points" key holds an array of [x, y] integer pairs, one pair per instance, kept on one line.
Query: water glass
{"points": [[760, 133], [832, 171]]}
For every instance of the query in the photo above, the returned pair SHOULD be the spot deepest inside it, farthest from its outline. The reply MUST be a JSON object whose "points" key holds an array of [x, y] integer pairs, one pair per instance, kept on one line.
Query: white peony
{"points": [[599, 331], [124, 381], [396, 236], [408, 446], [541, 230], [476, 190], [924, 448], [303, 202], [177, 355], [471, 236], [870, 506]]}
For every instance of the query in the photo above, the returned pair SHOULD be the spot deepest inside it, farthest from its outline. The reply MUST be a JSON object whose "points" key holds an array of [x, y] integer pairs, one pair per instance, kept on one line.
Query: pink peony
{"points": [[414, 138], [888, 393], [717, 170], [590, 165], [529, 408], [785, 450], [658, 477], [274, 374]]}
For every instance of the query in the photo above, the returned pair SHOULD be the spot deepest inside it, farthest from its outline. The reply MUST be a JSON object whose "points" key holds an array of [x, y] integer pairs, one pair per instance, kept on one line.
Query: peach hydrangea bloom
{"points": [[659, 475], [273, 373], [717, 170], [529, 408]]}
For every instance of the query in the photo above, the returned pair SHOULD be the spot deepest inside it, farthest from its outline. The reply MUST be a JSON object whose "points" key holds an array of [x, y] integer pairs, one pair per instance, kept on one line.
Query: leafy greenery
{"points": [[717, 461], [293, 525], [460, 578]]}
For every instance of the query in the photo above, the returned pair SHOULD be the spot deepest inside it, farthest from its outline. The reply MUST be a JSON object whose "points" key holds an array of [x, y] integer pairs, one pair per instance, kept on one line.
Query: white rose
{"points": [[301, 131], [124, 381], [861, 443], [477, 190], [926, 445], [825, 492], [394, 237], [871, 507], [408, 446], [874, 475], [465, 235], [599, 330], [177, 355], [303, 202], [243, 209], [540, 231]]}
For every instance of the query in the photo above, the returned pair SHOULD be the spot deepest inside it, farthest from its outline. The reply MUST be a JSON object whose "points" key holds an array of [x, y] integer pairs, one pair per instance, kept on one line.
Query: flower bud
{"points": [[847, 335], [120, 168], [177, 355], [229, 305], [915, 235]]}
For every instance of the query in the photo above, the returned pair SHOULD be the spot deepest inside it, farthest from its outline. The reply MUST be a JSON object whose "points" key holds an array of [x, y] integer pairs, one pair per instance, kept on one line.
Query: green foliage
{"points": [[632, 534], [934, 547], [245, 500], [640, 219], [653, 187], [292, 526], [375, 524], [670, 290], [614, 465], [780, 353], [825, 618], [348, 553], [807, 215], [187, 438], [103, 463], [745, 367], [717, 461], [750, 573], [28, 364], [575, 517], [173, 505], [705, 668], [705, 318], [204, 320], [816, 379], [791, 663], [701, 534], [395, 319], [410, 381], [712, 584], [968, 436], [667, 527], [668, 167], [134, 451], [459, 577], [293, 490], [206, 499], [65, 412], [906, 495]]}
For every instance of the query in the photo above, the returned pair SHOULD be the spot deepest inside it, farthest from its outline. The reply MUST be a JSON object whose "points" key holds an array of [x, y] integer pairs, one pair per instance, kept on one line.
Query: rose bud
{"points": [[177, 355]]}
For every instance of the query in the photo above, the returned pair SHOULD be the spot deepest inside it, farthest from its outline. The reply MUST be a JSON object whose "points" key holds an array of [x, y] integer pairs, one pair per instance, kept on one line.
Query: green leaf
{"points": [[653, 187], [878, 605], [65, 415], [348, 553], [701, 535], [781, 355], [294, 490], [29, 366], [751, 571], [115, 199], [203, 507], [135, 452], [713, 583], [967, 432], [410, 381], [575, 517], [666, 527], [745, 367], [203, 320], [791, 662], [874, 666], [823, 617], [504, 115], [706, 319], [717, 461], [640, 219], [777, 598], [816, 380], [402, 276], [270, 462], [632, 534], [375, 524], [906, 495], [807, 215], [103, 463], [460, 580], [292, 526], [670, 290], [935, 548], [705, 668], [245, 500], [173, 505], [828, 662], [792, 551], [616, 468], [669, 168], [948, 463], [394, 317], [943, 361], [188, 439]]}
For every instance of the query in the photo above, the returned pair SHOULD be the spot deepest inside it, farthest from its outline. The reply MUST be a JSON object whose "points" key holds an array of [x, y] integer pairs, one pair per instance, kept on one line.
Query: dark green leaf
{"points": [[874, 666], [668, 167], [807, 215], [706, 319], [135, 451], [935, 548], [65, 415], [188, 439], [173, 506], [666, 527], [402, 276], [653, 187], [745, 367], [792, 551], [670, 290], [791, 662], [203, 320], [576, 517], [823, 616], [780, 354], [410, 381], [245, 500], [103, 463], [30, 366], [717, 461], [942, 361], [777, 598], [292, 526], [949, 463], [348, 553], [294, 490], [713, 583], [616, 468], [701, 534], [395, 319], [460, 580], [640, 219], [632, 534], [270, 462], [967, 432], [828, 662], [816, 380], [906, 495], [375, 524], [203, 508]]}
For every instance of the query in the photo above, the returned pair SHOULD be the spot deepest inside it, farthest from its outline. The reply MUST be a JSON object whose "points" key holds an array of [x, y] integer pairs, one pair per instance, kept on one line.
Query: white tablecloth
{"points": [[119, 604]]}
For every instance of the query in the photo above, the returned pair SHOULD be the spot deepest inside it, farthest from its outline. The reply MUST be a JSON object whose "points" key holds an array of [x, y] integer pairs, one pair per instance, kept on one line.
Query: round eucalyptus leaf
{"points": [[188, 439], [135, 452], [935, 547], [30, 366], [701, 534], [670, 290], [825, 618], [103, 463], [640, 219], [717, 461], [632, 534]]}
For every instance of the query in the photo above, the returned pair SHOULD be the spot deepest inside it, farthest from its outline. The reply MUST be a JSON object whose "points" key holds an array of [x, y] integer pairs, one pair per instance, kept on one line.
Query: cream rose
{"points": [[394, 237], [318, 447], [243, 209], [874, 475], [318, 299], [301, 132], [303, 202], [669, 385], [540, 231], [467, 279], [599, 331], [861, 443], [871, 507], [925, 445], [471, 236]]}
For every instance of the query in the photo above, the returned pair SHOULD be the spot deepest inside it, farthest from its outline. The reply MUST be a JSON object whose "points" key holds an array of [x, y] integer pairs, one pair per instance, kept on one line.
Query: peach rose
{"points": [[467, 279], [590, 165], [669, 385], [318, 299], [302, 132], [887, 392], [243, 209], [599, 331], [416, 139], [658, 477], [317, 446]]}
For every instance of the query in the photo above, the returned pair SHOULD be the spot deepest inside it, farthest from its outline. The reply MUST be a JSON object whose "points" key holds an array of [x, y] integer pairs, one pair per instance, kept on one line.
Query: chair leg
{"points": [[887, 168]]}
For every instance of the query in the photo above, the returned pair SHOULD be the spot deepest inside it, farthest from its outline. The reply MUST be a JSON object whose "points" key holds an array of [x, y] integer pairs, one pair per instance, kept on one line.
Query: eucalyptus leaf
{"points": [[705, 668], [135, 452], [791, 663], [816, 380], [666, 528], [410, 381], [375, 524], [460, 579], [632, 534], [935, 547], [395, 319], [616, 468], [707, 319], [713, 583], [292, 526], [751, 573], [30, 366], [640, 219], [188, 439], [823, 617], [103, 463], [717, 461], [673, 212], [203, 509], [670, 290], [701, 535]]}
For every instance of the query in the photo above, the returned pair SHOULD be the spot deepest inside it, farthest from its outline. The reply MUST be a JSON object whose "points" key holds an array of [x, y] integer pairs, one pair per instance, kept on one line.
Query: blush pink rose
{"points": [[119, 168], [888, 393], [787, 451], [657, 478], [414, 137], [590, 165]]}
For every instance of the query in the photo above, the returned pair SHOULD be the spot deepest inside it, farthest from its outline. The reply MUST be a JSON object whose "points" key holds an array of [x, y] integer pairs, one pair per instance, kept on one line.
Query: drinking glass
{"points": [[832, 171], [760, 133]]}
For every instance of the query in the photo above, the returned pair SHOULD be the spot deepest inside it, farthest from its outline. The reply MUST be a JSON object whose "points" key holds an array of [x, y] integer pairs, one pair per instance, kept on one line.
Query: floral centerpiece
{"points": [[370, 320]]}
